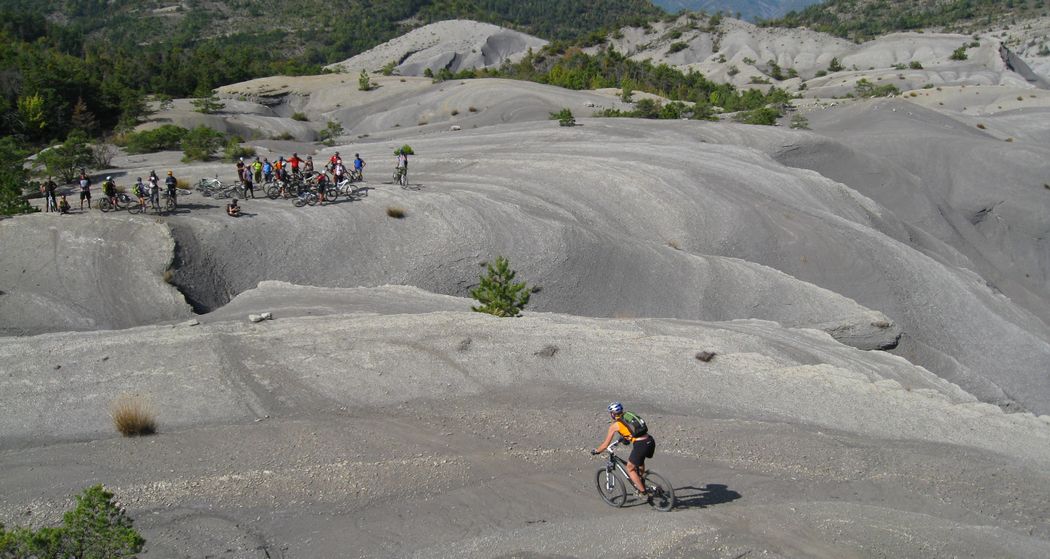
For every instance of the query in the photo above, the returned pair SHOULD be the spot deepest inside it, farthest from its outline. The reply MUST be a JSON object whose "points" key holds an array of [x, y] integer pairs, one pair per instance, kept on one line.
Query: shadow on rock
{"points": [[703, 497]]}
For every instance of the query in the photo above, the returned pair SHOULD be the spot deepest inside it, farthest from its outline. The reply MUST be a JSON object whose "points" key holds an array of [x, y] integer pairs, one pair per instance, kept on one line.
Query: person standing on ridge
{"points": [[257, 171], [172, 185], [85, 190], [359, 166]]}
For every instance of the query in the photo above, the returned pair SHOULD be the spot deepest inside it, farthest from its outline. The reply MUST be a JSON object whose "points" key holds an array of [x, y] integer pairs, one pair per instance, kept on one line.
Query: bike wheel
{"points": [[331, 194], [105, 205], [312, 199], [662, 498], [273, 191], [299, 201], [404, 179], [134, 208], [611, 488]]}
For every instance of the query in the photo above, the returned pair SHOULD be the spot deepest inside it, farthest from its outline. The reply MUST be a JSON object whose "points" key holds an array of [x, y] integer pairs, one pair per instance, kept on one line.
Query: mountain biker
{"points": [[257, 170], [172, 185], [279, 170], [50, 202], [359, 166], [294, 162], [109, 190], [334, 159], [139, 190], [240, 169], [85, 190], [644, 445], [246, 182], [63, 205], [338, 171], [402, 164], [267, 169], [154, 190], [308, 166], [232, 209]]}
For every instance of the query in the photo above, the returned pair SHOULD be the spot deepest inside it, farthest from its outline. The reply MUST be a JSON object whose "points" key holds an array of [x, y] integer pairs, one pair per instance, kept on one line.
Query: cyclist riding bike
{"points": [[644, 444]]}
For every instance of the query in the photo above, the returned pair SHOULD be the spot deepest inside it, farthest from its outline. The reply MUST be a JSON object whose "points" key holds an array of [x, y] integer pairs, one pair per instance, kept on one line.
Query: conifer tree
{"points": [[498, 294]]}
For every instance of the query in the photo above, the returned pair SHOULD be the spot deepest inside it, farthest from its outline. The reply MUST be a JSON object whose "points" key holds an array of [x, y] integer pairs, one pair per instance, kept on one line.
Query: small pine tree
{"points": [[206, 101], [498, 294], [835, 65], [564, 117], [364, 83]]}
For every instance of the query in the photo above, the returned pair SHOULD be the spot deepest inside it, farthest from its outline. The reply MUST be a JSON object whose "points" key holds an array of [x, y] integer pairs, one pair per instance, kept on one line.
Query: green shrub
{"points": [[301, 117], [915, 65], [66, 159], [96, 528], [405, 149], [835, 65], [165, 137], [766, 116], [677, 47], [332, 131], [564, 117], [959, 53], [234, 150], [388, 68], [206, 102], [799, 122], [13, 177], [865, 88], [498, 294], [200, 143], [363, 82]]}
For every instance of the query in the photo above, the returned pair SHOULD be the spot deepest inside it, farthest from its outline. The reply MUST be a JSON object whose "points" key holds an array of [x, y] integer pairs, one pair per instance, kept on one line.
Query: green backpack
{"points": [[635, 424]]}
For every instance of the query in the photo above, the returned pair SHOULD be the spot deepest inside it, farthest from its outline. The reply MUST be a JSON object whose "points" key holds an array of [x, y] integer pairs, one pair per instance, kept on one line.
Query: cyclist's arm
{"points": [[608, 438]]}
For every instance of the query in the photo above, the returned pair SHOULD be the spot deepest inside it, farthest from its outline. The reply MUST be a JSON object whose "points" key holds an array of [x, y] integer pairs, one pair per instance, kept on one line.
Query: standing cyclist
{"points": [[172, 185], [633, 430]]}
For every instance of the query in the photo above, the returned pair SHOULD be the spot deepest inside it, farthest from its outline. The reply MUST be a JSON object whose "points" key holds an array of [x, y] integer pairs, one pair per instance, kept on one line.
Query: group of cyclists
{"points": [[294, 169]]}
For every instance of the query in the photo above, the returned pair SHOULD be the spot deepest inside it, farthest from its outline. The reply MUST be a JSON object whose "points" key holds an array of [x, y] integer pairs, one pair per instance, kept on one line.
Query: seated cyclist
{"points": [[644, 446], [232, 209]]}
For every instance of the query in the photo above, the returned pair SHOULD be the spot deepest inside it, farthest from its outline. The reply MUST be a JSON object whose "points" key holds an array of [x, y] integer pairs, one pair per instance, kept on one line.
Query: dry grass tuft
{"points": [[473, 109], [396, 212], [169, 275], [674, 244], [454, 112], [881, 324], [133, 416], [981, 126]]}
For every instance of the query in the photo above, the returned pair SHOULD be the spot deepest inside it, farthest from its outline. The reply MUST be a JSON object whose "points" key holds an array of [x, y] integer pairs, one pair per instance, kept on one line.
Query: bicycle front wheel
{"points": [[105, 205], [331, 194], [611, 488], [135, 208], [312, 199], [662, 498]]}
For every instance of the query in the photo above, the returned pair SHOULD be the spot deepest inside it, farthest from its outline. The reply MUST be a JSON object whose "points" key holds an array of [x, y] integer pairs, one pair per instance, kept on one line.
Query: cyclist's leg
{"points": [[636, 463]]}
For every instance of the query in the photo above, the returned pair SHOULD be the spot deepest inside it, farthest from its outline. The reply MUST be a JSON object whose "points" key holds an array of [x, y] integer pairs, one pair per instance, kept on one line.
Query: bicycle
{"points": [[401, 176], [613, 484], [119, 202], [347, 188]]}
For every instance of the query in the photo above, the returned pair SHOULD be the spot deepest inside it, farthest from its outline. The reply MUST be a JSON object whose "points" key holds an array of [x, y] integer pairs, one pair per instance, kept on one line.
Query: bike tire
{"points": [[611, 488], [299, 201], [273, 191], [312, 199], [134, 208], [662, 498], [104, 205], [331, 194]]}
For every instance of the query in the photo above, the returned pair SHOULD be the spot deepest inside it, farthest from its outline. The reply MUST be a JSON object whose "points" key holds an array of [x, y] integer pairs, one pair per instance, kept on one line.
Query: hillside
{"points": [[66, 53], [747, 9], [862, 19]]}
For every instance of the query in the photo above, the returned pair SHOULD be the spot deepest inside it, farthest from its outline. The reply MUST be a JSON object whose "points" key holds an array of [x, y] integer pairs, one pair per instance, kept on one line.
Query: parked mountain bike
{"points": [[348, 189], [216, 189], [614, 484], [122, 202]]}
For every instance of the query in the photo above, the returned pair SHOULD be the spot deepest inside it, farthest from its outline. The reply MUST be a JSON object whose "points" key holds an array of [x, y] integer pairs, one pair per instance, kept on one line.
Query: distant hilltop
{"points": [[751, 10]]}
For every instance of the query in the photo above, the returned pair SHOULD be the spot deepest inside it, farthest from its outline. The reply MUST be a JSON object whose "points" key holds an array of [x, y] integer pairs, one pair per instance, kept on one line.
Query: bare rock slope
{"points": [[375, 432]]}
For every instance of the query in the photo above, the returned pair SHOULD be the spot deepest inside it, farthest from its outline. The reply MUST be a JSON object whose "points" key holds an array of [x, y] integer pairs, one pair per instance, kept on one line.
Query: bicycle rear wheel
{"points": [[272, 191], [331, 194], [312, 199], [105, 205], [611, 487], [662, 498], [135, 208]]}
